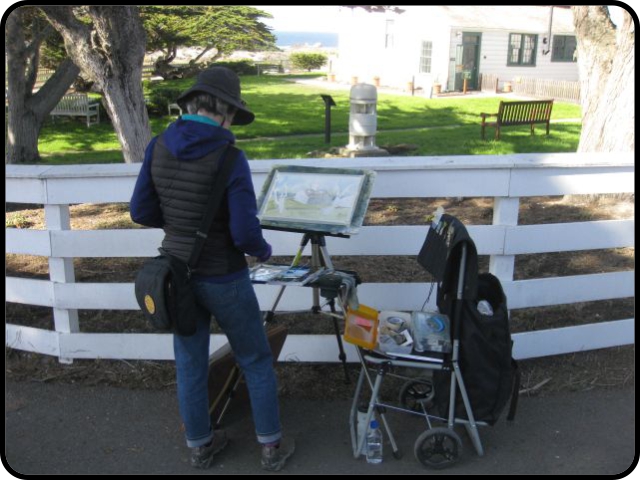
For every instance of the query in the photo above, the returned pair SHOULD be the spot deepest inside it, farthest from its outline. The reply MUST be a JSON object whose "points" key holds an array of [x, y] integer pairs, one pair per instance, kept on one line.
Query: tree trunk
{"points": [[27, 111], [23, 129], [110, 52], [165, 70], [131, 122], [606, 65]]}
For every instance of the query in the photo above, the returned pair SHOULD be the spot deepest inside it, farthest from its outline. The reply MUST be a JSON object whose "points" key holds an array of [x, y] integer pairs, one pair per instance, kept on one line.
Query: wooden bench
{"points": [[78, 105], [519, 113], [269, 68]]}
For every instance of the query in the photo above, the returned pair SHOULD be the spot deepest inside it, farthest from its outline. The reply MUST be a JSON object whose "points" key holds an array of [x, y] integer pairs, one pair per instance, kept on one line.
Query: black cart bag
{"points": [[491, 375]]}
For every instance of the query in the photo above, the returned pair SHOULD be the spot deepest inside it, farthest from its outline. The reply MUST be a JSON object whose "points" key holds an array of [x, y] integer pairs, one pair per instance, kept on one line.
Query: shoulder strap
{"points": [[515, 391], [219, 187]]}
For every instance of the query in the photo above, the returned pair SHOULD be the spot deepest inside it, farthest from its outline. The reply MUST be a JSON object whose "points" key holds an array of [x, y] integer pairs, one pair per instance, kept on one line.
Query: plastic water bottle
{"points": [[374, 443], [436, 217]]}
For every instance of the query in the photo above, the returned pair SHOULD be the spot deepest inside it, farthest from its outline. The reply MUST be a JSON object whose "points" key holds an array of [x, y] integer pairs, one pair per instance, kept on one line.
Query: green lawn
{"points": [[285, 109]]}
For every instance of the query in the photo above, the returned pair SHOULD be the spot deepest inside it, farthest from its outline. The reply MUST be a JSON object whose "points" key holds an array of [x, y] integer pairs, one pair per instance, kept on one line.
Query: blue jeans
{"points": [[235, 307]]}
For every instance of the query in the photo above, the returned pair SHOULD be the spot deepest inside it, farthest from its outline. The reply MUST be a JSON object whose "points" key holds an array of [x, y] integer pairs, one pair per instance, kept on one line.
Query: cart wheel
{"points": [[438, 448], [415, 392]]}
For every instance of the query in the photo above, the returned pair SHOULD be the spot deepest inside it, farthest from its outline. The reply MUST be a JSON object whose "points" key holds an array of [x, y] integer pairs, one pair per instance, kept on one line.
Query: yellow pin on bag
{"points": [[149, 304]]}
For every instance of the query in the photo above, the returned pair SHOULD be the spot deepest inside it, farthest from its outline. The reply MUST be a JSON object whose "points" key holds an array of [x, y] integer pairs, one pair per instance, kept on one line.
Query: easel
{"points": [[319, 258]]}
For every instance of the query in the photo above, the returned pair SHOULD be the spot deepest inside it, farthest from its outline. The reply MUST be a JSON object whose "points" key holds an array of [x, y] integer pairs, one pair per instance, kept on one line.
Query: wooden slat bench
{"points": [[78, 105], [269, 68], [527, 112]]}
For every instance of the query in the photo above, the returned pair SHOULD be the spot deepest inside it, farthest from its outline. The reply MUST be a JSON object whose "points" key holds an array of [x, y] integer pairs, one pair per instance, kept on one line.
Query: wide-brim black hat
{"points": [[224, 84]]}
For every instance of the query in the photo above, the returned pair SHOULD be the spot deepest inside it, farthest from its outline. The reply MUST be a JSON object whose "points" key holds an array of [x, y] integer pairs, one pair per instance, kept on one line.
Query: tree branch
{"points": [[55, 87], [377, 8], [201, 54], [77, 38]]}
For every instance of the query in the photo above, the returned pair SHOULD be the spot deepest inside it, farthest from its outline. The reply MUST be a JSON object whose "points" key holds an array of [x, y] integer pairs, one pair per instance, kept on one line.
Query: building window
{"points": [[425, 57], [522, 49], [564, 48], [388, 33]]}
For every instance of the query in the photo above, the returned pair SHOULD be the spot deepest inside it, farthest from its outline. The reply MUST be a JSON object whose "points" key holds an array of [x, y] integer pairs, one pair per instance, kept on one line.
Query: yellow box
{"points": [[361, 327]]}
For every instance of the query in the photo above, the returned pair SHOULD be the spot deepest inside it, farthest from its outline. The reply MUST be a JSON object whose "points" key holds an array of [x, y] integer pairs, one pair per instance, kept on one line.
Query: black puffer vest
{"points": [[184, 188]]}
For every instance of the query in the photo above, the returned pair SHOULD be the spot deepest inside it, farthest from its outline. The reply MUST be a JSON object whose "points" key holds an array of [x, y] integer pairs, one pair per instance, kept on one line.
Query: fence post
{"points": [[505, 212], [61, 271]]}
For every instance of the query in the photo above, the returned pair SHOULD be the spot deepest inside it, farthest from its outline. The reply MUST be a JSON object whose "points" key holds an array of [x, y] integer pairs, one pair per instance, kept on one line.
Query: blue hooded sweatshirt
{"points": [[189, 138]]}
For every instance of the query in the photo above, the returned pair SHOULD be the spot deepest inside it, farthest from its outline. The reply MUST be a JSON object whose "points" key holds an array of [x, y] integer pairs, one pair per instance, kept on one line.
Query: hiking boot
{"points": [[201, 457], [274, 457]]}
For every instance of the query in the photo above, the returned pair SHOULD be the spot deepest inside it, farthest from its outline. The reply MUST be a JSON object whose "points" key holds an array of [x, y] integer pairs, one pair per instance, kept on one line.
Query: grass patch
{"points": [[17, 220], [456, 140], [290, 124]]}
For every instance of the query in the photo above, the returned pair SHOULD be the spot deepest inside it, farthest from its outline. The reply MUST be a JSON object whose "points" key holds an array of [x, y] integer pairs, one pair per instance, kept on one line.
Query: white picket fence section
{"points": [[560, 90], [504, 178]]}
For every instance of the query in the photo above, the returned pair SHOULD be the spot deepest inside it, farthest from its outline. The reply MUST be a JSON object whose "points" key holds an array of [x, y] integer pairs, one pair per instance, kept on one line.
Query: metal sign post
{"points": [[328, 103]]}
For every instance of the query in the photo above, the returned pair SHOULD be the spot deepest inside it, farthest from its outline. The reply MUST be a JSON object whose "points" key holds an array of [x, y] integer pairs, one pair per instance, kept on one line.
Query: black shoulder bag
{"points": [[163, 284]]}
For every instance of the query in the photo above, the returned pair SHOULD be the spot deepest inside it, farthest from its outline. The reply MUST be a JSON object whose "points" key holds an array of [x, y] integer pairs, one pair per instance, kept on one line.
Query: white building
{"points": [[443, 44]]}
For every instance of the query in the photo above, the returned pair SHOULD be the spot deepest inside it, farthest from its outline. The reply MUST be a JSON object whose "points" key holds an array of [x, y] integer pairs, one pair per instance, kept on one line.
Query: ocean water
{"points": [[288, 39]]}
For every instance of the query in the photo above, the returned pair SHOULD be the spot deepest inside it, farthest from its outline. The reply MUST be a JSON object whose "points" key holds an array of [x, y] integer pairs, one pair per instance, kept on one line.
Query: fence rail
{"points": [[505, 178]]}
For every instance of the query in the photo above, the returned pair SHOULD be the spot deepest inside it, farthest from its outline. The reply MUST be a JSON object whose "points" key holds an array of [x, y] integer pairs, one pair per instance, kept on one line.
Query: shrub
{"points": [[159, 98], [308, 61]]}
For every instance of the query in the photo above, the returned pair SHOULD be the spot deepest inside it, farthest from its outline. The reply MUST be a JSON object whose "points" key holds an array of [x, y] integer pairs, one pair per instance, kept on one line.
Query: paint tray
{"points": [[361, 327]]}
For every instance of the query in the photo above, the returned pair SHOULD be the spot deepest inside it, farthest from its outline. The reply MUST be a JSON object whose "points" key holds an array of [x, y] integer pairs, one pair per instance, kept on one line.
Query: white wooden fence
{"points": [[489, 83], [559, 90], [505, 178]]}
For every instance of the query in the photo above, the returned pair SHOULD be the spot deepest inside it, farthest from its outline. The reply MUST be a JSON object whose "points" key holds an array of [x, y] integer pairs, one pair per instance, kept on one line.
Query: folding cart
{"points": [[450, 255]]}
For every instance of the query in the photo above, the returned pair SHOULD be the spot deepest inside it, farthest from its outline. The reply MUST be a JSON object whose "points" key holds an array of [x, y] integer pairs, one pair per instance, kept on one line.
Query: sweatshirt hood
{"points": [[190, 140]]}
